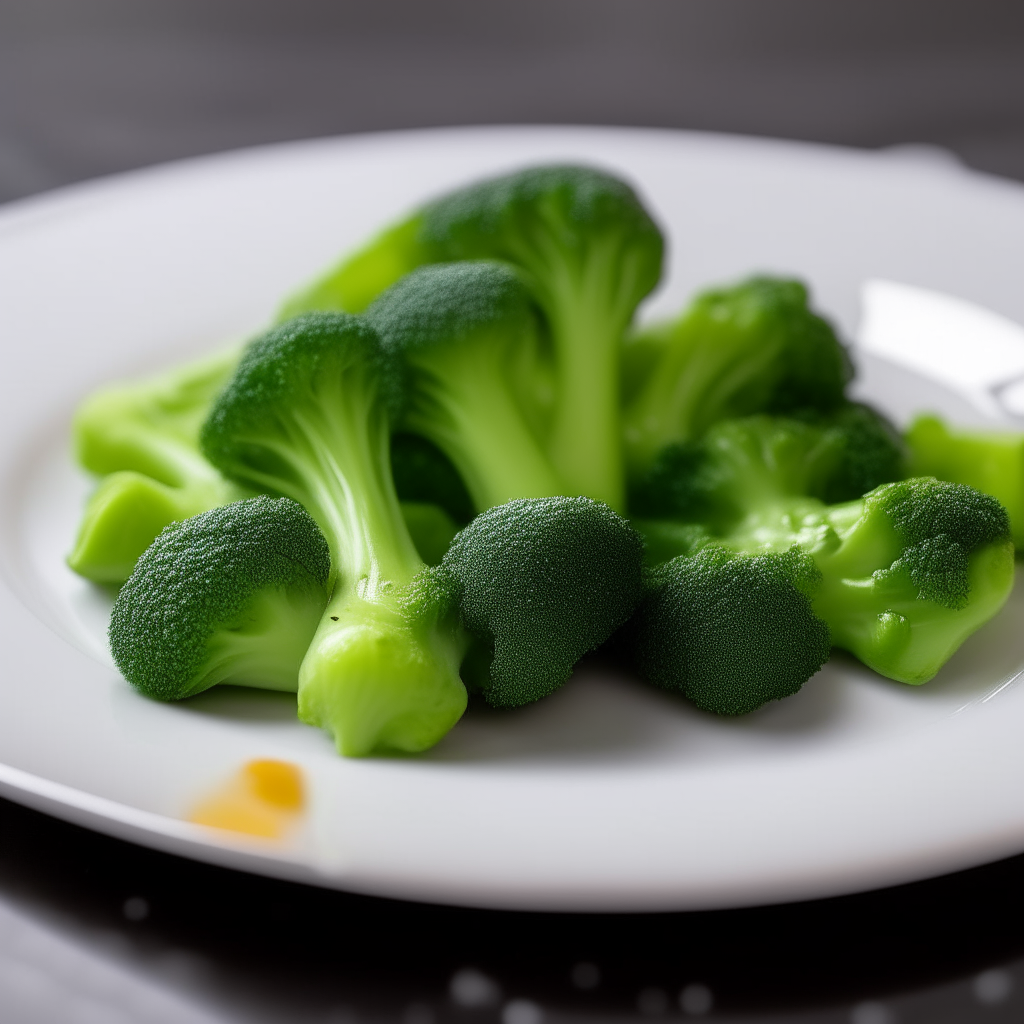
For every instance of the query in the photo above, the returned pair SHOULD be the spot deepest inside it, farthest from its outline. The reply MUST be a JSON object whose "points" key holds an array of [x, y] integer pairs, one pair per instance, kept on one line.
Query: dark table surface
{"points": [[92, 928]]}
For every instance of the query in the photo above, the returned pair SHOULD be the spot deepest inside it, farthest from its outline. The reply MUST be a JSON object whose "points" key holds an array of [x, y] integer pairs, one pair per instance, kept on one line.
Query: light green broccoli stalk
{"points": [[233, 595], [455, 332], [539, 583], [990, 460], [752, 348], [308, 415], [142, 440], [588, 251]]}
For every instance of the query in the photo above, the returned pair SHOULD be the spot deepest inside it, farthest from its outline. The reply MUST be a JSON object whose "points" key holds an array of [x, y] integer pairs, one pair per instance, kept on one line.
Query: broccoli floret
{"points": [[992, 461], [908, 572], [752, 348], [454, 331], [233, 595], [142, 439], [540, 582], [589, 252], [729, 631], [308, 415], [759, 461]]}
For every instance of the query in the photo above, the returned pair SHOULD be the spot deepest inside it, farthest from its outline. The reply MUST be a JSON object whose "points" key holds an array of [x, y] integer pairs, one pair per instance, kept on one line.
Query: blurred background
{"points": [[95, 930]]}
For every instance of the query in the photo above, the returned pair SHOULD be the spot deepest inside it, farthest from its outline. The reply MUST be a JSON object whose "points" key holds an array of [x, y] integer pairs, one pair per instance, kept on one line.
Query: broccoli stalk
{"points": [[351, 285], [307, 415], [456, 331], [907, 572], [990, 460], [142, 438], [233, 595], [752, 348]]}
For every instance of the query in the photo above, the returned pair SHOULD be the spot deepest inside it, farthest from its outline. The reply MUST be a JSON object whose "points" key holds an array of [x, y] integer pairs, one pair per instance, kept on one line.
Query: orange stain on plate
{"points": [[265, 798]]}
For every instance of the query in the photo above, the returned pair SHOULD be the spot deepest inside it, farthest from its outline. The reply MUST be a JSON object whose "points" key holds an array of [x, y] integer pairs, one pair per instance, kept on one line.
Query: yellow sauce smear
{"points": [[265, 798]]}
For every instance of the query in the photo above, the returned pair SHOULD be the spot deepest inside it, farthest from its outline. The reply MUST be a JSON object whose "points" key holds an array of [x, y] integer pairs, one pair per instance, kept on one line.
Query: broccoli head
{"points": [[233, 595], [308, 415], [753, 348], [990, 460], [729, 631], [454, 332], [539, 583]]}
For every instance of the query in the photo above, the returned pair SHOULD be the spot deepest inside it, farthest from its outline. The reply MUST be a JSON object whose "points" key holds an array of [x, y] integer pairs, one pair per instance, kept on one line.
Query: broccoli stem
{"points": [[470, 421], [125, 514], [679, 398], [378, 679], [587, 323], [267, 648], [374, 677], [338, 457]]}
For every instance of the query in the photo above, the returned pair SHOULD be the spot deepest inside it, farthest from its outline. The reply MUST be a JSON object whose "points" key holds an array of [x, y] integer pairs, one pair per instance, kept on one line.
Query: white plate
{"points": [[609, 795]]}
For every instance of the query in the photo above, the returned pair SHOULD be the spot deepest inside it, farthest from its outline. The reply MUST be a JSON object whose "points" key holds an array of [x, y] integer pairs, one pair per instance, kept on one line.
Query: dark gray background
{"points": [[88, 87], [93, 86]]}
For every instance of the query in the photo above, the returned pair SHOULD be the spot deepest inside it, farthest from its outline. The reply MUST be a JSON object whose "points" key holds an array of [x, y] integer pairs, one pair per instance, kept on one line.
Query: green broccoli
{"points": [[759, 461], [908, 571], [752, 348], [142, 439], [990, 460], [308, 415], [539, 583], [729, 631], [589, 252], [455, 331], [233, 595]]}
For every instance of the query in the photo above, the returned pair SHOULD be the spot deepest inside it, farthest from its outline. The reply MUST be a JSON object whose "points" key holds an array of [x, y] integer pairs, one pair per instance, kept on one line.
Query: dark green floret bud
{"points": [[541, 582], [730, 632], [232, 595]]}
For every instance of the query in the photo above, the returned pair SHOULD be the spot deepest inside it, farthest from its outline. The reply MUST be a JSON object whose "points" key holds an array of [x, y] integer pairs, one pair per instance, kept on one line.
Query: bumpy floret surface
{"points": [[544, 581], [730, 632], [200, 577]]}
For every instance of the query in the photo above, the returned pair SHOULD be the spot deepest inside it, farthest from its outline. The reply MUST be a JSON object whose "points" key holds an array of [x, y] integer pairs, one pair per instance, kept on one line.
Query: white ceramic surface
{"points": [[608, 795]]}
